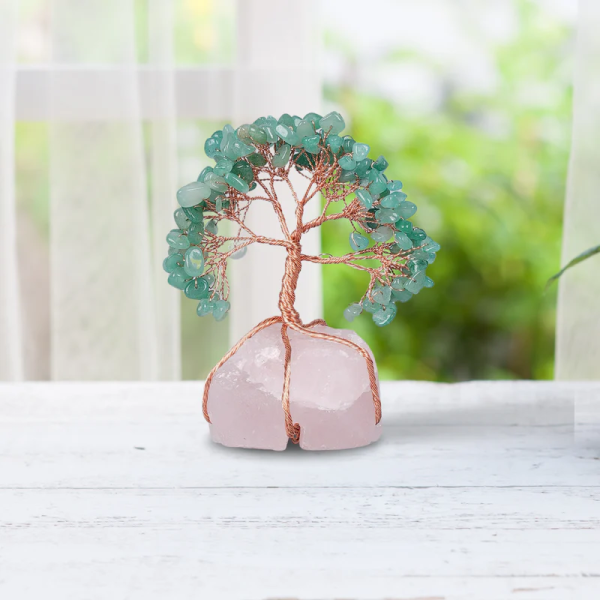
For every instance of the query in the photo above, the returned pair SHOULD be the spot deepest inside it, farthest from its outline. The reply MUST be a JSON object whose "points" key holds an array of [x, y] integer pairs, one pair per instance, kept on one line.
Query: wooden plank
{"points": [[326, 543], [115, 435], [475, 491], [476, 402]]}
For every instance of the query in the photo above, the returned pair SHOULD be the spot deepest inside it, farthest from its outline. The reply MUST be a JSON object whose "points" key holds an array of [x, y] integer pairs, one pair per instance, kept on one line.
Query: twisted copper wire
{"points": [[316, 322], [292, 429], [289, 315], [360, 350], [254, 331]]}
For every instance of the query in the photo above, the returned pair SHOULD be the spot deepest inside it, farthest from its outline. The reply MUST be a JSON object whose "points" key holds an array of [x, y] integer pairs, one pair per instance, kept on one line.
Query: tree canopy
{"points": [[250, 163]]}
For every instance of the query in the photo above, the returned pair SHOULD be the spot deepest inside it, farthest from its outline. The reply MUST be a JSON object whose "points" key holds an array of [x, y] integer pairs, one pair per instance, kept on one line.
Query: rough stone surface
{"points": [[330, 395]]}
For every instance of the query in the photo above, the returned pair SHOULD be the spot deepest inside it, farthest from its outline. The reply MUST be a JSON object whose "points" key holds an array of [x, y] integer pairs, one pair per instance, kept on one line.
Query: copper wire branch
{"points": [[322, 180]]}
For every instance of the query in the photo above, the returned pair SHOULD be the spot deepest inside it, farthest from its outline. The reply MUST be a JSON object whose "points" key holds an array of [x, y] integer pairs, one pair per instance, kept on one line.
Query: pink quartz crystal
{"points": [[330, 396]]}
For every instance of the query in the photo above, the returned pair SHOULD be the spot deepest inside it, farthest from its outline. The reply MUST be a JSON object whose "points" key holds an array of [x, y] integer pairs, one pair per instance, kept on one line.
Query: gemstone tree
{"points": [[249, 163]]}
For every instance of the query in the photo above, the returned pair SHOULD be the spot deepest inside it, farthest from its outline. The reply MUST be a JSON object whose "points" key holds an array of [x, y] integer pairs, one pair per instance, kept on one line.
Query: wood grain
{"points": [[479, 491]]}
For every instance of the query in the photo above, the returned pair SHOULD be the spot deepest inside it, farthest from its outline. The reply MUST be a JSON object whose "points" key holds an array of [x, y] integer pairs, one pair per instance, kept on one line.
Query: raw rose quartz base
{"points": [[330, 395]]}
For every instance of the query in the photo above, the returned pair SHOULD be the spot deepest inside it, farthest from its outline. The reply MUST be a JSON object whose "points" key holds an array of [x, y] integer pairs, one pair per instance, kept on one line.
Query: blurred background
{"points": [[470, 102]]}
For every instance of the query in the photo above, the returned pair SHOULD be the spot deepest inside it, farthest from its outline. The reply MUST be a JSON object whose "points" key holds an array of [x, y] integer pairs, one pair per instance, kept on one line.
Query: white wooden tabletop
{"points": [[477, 491]]}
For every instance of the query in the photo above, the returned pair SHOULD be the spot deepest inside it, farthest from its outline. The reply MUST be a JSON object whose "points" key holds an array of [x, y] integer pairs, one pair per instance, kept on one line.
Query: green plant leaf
{"points": [[579, 258]]}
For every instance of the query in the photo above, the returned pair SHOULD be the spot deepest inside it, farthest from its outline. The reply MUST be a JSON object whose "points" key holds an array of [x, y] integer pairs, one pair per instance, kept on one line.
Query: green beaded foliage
{"points": [[376, 206]]}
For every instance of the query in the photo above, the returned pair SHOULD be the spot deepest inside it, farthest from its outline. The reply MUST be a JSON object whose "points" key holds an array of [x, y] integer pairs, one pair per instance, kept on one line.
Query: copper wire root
{"points": [[359, 349], [316, 322], [292, 429], [262, 325], [364, 354]]}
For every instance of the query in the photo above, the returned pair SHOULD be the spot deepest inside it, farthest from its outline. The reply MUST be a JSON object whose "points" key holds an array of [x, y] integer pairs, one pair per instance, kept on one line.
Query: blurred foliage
{"points": [[204, 32], [32, 176], [574, 262], [487, 171]]}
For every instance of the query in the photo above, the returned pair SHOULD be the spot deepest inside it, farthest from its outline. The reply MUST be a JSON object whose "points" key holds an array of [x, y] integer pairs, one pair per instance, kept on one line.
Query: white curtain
{"points": [[113, 173], [112, 185], [578, 323], [11, 356], [106, 297]]}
